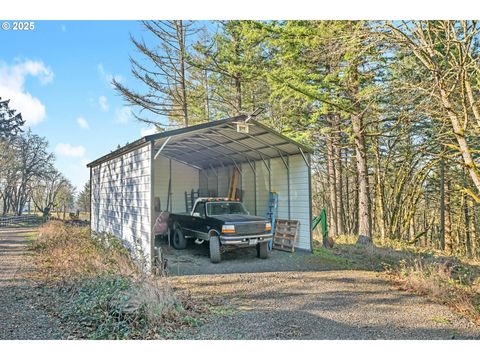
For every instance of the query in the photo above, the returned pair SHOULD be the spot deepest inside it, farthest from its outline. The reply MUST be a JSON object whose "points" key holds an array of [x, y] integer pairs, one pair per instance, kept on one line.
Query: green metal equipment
{"points": [[321, 219]]}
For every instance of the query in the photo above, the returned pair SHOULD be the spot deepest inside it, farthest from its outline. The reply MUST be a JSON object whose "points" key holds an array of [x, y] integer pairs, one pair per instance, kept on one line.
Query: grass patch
{"points": [[220, 310], [100, 291], [31, 237], [441, 320], [330, 257]]}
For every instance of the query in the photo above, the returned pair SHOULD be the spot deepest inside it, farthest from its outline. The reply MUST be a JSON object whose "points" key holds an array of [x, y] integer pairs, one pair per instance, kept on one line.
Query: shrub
{"points": [[447, 281], [102, 290]]}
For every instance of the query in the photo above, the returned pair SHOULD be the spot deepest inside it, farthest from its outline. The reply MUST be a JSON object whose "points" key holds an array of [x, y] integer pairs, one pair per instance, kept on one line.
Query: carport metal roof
{"points": [[218, 143]]}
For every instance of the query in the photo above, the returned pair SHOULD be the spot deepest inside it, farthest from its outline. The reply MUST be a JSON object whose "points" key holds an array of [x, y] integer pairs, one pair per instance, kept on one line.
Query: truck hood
{"points": [[238, 218]]}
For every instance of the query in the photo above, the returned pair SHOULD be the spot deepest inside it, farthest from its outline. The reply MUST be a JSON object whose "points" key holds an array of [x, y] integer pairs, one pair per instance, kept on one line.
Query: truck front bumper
{"points": [[245, 239]]}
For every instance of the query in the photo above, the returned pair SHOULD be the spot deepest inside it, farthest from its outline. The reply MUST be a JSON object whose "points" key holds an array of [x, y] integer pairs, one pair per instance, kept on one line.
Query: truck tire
{"points": [[215, 255], [179, 241], [262, 250]]}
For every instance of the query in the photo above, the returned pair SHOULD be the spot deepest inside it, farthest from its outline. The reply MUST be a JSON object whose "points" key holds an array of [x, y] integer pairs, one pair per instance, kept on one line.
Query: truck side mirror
{"points": [[196, 214]]}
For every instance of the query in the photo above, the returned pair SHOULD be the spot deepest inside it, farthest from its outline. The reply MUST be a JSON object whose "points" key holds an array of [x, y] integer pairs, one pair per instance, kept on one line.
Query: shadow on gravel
{"points": [[303, 325], [195, 260]]}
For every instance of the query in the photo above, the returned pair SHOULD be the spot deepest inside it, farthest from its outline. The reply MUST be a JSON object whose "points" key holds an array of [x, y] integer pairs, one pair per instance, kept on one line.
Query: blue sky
{"points": [[58, 75]]}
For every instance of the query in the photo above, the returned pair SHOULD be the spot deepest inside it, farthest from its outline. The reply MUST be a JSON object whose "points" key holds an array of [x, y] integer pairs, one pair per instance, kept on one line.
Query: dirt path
{"points": [[21, 312], [347, 304]]}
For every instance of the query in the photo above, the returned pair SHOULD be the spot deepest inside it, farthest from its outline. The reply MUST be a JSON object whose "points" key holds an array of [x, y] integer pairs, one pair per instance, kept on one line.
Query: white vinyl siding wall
{"points": [[300, 198], [121, 201]]}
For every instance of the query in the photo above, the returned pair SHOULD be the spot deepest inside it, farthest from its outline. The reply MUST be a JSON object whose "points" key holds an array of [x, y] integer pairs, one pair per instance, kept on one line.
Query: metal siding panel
{"points": [[162, 174], [262, 187], [279, 185], [299, 195], [184, 178], [248, 188], [300, 199], [224, 174], [122, 200]]}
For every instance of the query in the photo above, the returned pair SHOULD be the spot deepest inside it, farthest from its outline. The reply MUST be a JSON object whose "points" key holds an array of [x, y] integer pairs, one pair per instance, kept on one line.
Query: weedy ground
{"points": [[96, 286], [447, 279]]}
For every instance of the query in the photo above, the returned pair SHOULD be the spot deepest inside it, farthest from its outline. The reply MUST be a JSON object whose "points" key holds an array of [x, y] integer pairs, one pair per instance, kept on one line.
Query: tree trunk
{"points": [[348, 219], [183, 80], [207, 100], [448, 218], [411, 229], [238, 95], [333, 228], [338, 174], [468, 241], [475, 238], [379, 192], [355, 199], [459, 133], [442, 204], [364, 219], [425, 220]]}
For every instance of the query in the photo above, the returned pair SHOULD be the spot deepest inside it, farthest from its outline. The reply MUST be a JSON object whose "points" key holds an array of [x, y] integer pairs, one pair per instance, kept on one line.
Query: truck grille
{"points": [[250, 228]]}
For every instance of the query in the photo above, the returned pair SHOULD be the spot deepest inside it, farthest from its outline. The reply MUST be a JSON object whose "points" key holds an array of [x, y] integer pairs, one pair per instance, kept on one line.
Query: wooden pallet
{"points": [[286, 234]]}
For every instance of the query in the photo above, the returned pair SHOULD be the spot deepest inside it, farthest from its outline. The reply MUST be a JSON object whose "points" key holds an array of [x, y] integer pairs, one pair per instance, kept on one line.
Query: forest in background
{"points": [[391, 109]]}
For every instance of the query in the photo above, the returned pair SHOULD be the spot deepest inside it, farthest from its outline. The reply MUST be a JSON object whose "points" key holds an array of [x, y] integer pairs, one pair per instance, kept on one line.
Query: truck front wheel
{"points": [[262, 250], [215, 255], [179, 241]]}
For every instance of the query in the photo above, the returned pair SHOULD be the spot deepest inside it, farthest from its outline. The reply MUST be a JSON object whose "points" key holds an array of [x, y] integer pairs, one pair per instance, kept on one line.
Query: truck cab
{"points": [[224, 223]]}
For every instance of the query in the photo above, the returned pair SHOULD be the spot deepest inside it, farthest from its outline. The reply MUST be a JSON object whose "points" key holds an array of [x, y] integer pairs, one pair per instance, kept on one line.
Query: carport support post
{"points": [[169, 194], [288, 186], [269, 176], [255, 185], [253, 167]]}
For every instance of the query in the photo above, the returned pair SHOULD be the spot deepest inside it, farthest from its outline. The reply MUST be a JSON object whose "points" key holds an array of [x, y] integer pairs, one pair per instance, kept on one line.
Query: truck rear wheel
{"points": [[215, 255], [262, 250], [179, 241]]}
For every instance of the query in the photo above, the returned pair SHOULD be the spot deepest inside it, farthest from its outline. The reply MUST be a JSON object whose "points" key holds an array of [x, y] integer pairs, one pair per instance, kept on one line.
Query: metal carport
{"points": [[127, 183]]}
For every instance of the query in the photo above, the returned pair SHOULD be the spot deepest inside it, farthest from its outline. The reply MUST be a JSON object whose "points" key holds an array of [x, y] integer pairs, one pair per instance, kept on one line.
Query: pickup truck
{"points": [[224, 223]]}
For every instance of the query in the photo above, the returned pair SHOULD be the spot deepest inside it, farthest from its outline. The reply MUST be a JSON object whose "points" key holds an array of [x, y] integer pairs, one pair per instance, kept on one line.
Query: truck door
{"points": [[199, 220]]}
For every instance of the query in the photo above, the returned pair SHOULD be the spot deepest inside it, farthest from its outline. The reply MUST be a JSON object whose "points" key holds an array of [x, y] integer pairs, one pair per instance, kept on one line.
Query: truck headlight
{"points": [[228, 229], [268, 226]]}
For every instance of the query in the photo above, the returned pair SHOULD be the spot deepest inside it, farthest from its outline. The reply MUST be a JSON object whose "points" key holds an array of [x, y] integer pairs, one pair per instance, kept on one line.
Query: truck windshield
{"points": [[225, 208]]}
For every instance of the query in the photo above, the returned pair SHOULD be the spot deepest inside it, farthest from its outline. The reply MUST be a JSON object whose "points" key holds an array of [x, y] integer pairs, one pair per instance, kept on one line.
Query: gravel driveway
{"points": [[21, 313], [297, 297]]}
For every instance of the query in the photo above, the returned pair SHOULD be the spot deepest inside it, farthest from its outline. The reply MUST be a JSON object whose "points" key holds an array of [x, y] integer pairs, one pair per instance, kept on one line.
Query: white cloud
{"points": [[82, 123], [103, 102], [12, 86], [123, 114], [68, 150], [108, 77], [148, 131]]}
